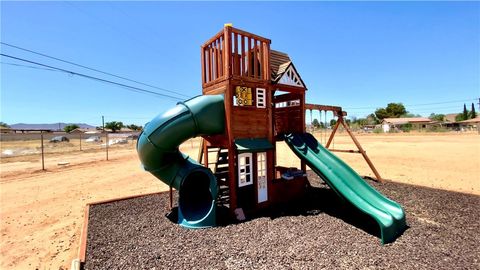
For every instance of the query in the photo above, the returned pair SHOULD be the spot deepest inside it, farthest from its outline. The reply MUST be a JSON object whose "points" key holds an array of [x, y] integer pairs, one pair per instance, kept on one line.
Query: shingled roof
{"points": [[279, 64]]}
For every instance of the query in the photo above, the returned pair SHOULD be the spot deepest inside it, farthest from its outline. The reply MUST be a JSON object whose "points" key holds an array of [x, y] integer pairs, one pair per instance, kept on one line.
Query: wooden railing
{"points": [[235, 53]]}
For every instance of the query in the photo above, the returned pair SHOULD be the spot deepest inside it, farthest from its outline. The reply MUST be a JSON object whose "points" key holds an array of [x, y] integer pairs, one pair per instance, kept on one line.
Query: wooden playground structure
{"points": [[264, 99]]}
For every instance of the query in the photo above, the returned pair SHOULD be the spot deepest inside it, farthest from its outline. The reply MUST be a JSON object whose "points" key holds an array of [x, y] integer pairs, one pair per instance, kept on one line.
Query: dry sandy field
{"points": [[41, 212]]}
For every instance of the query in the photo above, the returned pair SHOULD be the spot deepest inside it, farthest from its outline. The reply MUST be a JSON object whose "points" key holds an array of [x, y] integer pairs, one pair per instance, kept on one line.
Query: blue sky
{"points": [[360, 56]]}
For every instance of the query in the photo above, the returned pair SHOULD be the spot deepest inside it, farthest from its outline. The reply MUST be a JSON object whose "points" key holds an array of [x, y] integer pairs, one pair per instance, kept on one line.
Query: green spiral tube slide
{"points": [[157, 148]]}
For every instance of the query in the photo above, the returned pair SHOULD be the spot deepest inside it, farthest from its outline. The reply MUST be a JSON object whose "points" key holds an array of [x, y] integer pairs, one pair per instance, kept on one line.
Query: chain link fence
{"points": [[42, 146]]}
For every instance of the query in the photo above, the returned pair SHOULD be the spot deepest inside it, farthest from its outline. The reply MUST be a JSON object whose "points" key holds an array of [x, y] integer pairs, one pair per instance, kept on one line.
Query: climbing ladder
{"points": [[219, 167]]}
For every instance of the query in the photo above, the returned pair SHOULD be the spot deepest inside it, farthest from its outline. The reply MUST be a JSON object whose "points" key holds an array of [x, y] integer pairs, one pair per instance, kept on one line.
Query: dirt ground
{"points": [[42, 211]]}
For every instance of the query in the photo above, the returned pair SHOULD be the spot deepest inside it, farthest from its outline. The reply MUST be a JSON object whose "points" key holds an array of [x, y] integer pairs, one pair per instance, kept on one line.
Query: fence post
{"points": [[43, 159], [106, 144], [80, 141]]}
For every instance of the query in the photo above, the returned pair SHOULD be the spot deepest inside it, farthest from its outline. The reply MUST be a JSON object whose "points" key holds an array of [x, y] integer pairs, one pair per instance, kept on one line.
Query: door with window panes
{"points": [[262, 189], [246, 191]]}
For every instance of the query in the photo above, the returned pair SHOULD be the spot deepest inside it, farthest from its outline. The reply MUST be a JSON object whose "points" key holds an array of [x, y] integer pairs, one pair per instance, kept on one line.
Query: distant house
{"points": [[471, 123], [6, 130], [85, 131], [389, 124], [450, 118]]}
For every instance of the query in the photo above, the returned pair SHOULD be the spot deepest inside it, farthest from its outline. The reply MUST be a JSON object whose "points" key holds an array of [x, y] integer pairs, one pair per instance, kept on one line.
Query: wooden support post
{"points": [[202, 57], [333, 132], [171, 198], [364, 154], [205, 155], [200, 151], [80, 141]]}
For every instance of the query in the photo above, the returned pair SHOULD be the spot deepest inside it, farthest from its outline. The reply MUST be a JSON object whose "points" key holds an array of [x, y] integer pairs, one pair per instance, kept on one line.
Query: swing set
{"points": [[340, 114]]}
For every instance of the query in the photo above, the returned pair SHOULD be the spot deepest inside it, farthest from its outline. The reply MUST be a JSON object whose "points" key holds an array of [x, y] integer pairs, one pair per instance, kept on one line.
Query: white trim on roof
{"points": [[290, 77]]}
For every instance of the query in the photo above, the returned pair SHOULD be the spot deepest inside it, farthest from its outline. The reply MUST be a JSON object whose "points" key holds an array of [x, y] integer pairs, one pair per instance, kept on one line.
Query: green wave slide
{"points": [[349, 185], [157, 147]]}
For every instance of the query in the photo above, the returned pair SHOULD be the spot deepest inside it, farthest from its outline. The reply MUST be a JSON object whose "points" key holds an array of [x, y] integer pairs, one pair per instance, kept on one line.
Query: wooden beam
{"points": [[247, 34], [217, 61], [227, 52], [364, 154], [236, 65], [212, 39], [243, 57], [249, 71], [332, 134], [319, 107], [255, 59], [262, 62], [202, 57], [221, 66], [289, 88], [344, 151], [286, 97], [267, 61]]}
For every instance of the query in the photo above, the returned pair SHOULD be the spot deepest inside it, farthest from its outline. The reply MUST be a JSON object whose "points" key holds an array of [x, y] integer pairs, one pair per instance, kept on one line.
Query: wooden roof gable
{"points": [[283, 71]]}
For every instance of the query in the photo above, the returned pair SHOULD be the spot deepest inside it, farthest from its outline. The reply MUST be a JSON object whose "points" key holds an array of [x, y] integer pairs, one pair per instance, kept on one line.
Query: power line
{"points": [[128, 87], [93, 69], [27, 66]]}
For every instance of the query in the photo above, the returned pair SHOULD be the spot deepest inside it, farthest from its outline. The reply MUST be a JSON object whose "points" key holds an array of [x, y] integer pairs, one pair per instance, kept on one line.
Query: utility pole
{"points": [[103, 124]]}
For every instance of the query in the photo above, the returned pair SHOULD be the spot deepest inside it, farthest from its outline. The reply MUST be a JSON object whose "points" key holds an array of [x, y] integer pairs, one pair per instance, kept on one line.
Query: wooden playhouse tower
{"points": [[264, 98], [243, 68]]}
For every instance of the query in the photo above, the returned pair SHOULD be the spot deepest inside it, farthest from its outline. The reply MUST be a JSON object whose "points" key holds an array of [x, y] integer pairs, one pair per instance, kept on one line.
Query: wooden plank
{"points": [[319, 107], [360, 148], [217, 60], [212, 39], [262, 63], [227, 52], [82, 252], [243, 56], [286, 97], [249, 122], [210, 63], [267, 62], [255, 60], [207, 67], [344, 151], [221, 49], [236, 63], [290, 88], [248, 79], [250, 35], [249, 71], [202, 60]]}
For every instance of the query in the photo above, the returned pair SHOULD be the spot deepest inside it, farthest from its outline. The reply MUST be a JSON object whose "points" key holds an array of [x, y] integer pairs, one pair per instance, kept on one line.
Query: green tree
{"points": [[3, 124], [437, 117], [465, 112], [473, 114], [315, 123], [381, 113], [393, 110], [114, 126], [134, 127], [333, 122], [69, 128], [372, 119]]}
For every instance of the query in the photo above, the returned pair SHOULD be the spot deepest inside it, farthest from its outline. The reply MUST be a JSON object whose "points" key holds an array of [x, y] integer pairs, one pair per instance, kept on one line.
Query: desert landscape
{"points": [[42, 211]]}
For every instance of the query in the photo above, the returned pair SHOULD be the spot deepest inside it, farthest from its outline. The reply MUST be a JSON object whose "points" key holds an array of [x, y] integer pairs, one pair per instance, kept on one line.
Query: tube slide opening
{"points": [[196, 200]]}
